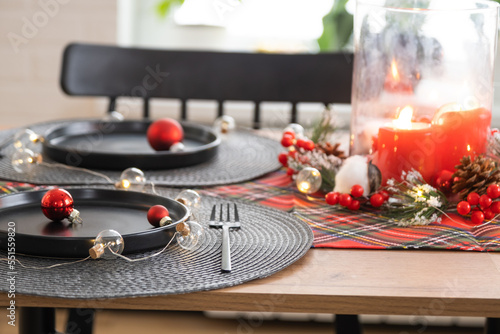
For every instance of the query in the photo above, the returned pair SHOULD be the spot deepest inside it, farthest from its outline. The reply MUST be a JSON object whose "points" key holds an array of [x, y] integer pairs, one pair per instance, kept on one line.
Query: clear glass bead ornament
{"points": [[189, 235], [308, 180], [114, 116], [295, 128], [24, 161], [106, 243], [191, 199], [132, 179], [28, 139], [224, 124], [177, 147]]}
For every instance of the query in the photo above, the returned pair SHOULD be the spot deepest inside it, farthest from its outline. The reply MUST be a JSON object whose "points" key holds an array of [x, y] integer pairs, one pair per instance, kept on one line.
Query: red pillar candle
{"points": [[402, 147], [459, 133]]}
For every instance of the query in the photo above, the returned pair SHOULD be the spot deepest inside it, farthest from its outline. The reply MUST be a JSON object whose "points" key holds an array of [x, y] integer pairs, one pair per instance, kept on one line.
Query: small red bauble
{"points": [[477, 217], [287, 140], [377, 200], [463, 208], [357, 190], [473, 198], [57, 204], [444, 180], [283, 159], [355, 205], [290, 171], [290, 133], [332, 198], [495, 207], [345, 199], [156, 214], [163, 133], [493, 191], [485, 201]]}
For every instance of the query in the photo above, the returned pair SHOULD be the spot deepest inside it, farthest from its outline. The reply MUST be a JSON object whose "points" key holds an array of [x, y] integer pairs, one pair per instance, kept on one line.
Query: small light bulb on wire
{"points": [[192, 200], [23, 161], [28, 139], [132, 179], [224, 124], [189, 234], [107, 244], [308, 180]]}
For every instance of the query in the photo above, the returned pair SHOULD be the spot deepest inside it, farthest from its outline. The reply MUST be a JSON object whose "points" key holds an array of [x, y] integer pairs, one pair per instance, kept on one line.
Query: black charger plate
{"points": [[100, 209], [119, 145]]}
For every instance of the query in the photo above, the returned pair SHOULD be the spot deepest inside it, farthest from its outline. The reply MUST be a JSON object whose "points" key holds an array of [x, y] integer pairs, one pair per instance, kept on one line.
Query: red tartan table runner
{"points": [[334, 227], [338, 228]]}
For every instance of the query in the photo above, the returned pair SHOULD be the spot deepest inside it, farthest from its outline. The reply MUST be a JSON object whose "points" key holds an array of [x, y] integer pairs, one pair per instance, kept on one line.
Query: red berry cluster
{"points": [[482, 207], [290, 141], [353, 200]]}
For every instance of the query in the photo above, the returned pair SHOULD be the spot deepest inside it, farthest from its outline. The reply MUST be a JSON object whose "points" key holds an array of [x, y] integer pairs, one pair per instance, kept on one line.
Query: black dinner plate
{"points": [[120, 145], [100, 209]]}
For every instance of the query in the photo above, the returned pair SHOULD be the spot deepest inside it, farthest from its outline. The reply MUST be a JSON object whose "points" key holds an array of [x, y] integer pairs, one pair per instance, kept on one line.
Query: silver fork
{"points": [[226, 251]]}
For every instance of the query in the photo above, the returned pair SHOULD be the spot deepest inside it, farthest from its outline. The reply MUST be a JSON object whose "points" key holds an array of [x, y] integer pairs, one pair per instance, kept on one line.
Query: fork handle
{"points": [[226, 252]]}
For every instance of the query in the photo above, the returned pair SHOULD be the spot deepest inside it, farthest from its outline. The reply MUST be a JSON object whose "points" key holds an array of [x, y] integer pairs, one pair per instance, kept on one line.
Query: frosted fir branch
{"points": [[413, 201]]}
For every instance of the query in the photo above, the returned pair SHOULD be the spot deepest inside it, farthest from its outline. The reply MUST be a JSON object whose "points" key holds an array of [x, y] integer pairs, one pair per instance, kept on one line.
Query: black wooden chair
{"points": [[111, 71]]}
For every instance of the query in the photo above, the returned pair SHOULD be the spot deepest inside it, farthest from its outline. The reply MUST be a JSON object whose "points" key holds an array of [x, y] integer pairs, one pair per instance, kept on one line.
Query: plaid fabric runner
{"points": [[338, 228]]}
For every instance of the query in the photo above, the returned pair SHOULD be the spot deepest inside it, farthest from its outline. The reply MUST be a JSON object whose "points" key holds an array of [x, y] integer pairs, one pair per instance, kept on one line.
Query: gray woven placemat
{"points": [[268, 242], [242, 156]]}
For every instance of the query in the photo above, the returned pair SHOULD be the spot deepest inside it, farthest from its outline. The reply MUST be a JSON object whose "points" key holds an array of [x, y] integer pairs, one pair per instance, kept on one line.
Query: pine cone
{"points": [[475, 175], [330, 149]]}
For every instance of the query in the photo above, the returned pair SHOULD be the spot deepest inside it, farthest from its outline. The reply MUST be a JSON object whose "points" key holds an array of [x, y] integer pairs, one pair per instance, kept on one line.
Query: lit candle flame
{"points": [[394, 70], [404, 119]]}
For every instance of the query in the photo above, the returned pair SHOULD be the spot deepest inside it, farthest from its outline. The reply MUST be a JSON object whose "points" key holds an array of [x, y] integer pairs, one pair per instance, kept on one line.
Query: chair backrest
{"points": [[99, 70]]}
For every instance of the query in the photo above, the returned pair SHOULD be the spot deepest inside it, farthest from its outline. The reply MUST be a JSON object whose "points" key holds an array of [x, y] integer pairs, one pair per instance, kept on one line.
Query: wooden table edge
{"points": [[219, 301]]}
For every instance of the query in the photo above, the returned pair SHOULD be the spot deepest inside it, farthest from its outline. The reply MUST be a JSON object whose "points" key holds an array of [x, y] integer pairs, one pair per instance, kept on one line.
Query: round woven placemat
{"points": [[268, 241], [242, 156]]}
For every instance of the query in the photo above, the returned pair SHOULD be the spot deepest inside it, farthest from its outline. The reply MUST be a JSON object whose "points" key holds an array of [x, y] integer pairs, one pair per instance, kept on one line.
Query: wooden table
{"points": [[417, 282]]}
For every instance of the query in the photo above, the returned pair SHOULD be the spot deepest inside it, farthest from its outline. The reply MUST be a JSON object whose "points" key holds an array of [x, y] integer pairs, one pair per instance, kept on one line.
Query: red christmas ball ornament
{"points": [[493, 191], [377, 200], [463, 208], [357, 190], [332, 198], [290, 133], [290, 171], [158, 216], [163, 133], [57, 204], [444, 181], [473, 198]]}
